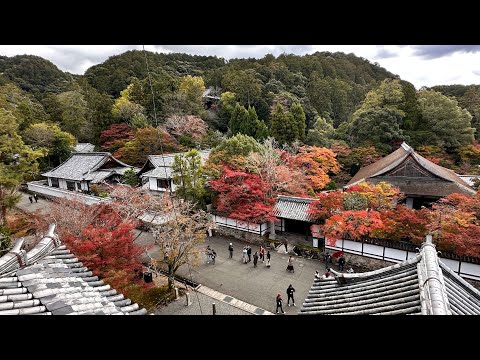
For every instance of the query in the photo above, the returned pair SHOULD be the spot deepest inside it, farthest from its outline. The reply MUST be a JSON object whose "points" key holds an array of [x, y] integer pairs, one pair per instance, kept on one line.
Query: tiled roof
{"points": [[158, 160], [159, 173], [166, 160], [394, 159], [290, 207], [421, 285], [84, 147], [49, 280], [84, 166]]}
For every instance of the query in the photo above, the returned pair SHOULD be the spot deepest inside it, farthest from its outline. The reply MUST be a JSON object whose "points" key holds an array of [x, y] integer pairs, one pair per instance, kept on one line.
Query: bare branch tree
{"points": [[179, 238]]}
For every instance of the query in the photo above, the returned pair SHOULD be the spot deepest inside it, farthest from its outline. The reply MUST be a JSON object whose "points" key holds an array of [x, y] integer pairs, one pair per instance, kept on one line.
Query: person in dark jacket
{"points": [[279, 301], [268, 259], [230, 249], [249, 253], [290, 291], [255, 259], [341, 263], [35, 196], [31, 199]]}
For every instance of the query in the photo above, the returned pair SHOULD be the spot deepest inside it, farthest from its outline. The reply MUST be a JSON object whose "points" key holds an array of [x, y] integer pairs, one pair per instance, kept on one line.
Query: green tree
{"points": [[124, 110], [130, 177], [189, 176], [321, 134], [261, 130], [299, 119], [17, 162], [226, 107], [73, 108], [449, 125], [238, 118], [245, 84], [24, 107], [192, 87], [58, 144], [379, 120], [283, 127]]}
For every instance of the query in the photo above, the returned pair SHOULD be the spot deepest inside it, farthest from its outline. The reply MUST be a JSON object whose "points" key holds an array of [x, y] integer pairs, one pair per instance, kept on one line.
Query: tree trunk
{"points": [[171, 279], [3, 216]]}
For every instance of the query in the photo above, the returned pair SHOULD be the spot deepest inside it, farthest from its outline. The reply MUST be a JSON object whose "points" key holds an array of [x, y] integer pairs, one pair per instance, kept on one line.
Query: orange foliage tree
{"points": [[317, 164], [356, 225], [381, 196], [456, 224]]}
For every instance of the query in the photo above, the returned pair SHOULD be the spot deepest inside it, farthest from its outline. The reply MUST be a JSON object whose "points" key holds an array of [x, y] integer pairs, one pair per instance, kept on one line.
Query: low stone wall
{"points": [[364, 263], [240, 235]]}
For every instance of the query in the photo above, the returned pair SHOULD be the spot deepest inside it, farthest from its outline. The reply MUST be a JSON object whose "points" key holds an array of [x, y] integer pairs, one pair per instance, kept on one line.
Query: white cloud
{"points": [[423, 65]]}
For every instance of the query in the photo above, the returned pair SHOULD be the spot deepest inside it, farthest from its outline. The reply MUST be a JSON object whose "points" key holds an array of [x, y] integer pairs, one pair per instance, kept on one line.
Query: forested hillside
{"points": [[335, 100]]}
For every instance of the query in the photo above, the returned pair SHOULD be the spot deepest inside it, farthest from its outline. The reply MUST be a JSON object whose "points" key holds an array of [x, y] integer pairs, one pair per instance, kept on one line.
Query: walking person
{"points": [[213, 255], [35, 196], [262, 253], [268, 258], [208, 253], [249, 253], [230, 250], [286, 248], [30, 198], [255, 259], [341, 263], [290, 264], [279, 301], [245, 256], [290, 291]]}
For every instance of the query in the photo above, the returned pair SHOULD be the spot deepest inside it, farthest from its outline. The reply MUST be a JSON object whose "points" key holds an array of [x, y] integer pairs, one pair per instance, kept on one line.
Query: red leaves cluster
{"points": [[326, 205], [456, 224], [115, 137], [242, 196], [106, 246]]}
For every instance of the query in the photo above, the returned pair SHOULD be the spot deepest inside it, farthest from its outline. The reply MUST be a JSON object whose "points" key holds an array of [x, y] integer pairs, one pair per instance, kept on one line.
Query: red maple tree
{"points": [[106, 246], [327, 204], [242, 196], [115, 137], [353, 224]]}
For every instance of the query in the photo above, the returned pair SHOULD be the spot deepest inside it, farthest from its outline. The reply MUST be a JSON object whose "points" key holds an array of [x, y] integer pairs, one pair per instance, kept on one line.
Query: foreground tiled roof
{"points": [[421, 285], [49, 280], [87, 166], [290, 207], [400, 155], [84, 147], [160, 173]]}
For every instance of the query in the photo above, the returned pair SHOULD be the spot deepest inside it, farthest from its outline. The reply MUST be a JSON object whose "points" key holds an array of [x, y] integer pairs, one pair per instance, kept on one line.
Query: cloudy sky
{"points": [[422, 65]]}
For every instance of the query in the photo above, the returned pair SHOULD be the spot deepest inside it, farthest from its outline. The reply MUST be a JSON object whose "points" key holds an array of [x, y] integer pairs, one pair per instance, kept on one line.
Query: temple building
{"points": [[422, 181]]}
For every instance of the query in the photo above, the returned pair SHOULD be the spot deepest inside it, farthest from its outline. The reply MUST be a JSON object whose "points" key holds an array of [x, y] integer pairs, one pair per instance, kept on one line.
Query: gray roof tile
{"points": [[290, 207], [422, 284], [87, 166], [57, 284]]}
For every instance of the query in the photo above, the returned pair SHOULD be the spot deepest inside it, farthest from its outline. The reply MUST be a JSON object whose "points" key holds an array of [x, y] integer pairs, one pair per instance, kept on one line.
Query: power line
{"points": [[165, 168]]}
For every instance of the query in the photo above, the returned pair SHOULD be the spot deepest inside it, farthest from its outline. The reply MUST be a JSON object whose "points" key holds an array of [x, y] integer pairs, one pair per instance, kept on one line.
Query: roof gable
{"points": [[405, 162], [80, 166]]}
